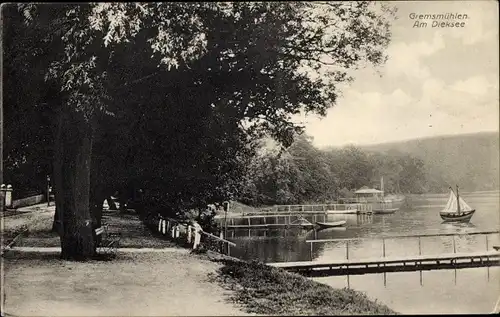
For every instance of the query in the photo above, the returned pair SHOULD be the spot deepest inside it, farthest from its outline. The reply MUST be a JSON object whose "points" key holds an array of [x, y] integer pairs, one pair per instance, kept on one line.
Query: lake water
{"points": [[464, 291]]}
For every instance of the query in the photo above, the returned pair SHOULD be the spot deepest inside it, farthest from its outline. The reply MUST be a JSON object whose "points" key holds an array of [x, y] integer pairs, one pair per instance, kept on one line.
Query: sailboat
{"points": [[456, 209]]}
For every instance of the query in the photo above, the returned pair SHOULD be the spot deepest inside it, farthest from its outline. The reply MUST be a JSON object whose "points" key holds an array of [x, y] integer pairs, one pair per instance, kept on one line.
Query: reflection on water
{"points": [[404, 222], [464, 291], [438, 293]]}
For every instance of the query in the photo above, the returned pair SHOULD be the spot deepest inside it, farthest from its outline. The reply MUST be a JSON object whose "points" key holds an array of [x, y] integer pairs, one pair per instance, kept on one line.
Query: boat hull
{"points": [[463, 217], [331, 224], [334, 212], [385, 211]]}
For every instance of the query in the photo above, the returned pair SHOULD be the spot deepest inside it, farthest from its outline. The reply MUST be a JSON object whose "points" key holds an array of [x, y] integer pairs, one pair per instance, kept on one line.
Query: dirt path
{"points": [[57, 250], [159, 279], [134, 284]]}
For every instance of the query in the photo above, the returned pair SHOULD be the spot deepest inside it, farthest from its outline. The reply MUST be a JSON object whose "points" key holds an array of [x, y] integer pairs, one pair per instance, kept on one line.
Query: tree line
{"points": [[168, 97], [303, 173]]}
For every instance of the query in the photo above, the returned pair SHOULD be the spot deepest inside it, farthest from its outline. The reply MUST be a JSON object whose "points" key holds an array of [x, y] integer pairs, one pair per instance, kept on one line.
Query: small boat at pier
{"points": [[342, 212], [301, 222], [456, 209], [384, 209], [331, 224]]}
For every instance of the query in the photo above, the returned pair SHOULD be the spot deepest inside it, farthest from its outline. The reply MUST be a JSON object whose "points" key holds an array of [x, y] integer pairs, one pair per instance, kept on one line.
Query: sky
{"points": [[437, 81]]}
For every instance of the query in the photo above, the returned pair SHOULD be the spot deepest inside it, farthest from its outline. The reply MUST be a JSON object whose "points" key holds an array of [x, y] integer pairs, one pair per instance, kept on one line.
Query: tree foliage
{"points": [[171, 96], [305, 174]]}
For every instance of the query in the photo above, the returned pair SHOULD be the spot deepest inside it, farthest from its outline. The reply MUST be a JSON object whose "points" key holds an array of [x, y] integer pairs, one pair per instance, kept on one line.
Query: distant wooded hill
{"points": [[469, 160]]}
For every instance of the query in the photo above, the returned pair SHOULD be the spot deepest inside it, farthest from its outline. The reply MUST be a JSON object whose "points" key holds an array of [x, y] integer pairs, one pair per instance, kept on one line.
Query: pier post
{"points": [[347, 249], [454, 247], [383, 247], [486, 242], [311, 250], [419, 247]]}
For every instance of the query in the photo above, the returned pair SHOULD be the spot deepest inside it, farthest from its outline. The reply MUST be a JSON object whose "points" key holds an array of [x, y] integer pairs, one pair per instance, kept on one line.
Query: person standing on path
{"points": [[197, 234]]}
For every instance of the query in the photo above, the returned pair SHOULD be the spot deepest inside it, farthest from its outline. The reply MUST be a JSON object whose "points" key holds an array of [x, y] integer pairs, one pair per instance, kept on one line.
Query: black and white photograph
{"points": [[250, 158]]}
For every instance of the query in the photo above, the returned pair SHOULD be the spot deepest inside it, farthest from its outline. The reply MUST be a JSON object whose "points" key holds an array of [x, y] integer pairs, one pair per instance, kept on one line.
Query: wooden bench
{"points": [[109, 242]]}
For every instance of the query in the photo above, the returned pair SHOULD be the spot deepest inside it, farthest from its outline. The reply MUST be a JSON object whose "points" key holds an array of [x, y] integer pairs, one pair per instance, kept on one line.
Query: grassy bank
{"points": [[267, 290]]}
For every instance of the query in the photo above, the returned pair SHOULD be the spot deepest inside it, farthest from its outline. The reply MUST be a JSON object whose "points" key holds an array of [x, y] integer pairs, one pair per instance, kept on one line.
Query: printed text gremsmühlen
{"points": [[442, 16]]}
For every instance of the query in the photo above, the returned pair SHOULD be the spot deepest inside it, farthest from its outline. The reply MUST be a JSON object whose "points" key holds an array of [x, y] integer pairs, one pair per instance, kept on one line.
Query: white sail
{"points": [[451, 205], [463, 205]]}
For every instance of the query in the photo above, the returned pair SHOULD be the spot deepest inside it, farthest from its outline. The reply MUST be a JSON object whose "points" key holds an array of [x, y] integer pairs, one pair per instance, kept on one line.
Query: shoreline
{"points": [[241, 287], [262, 289]]}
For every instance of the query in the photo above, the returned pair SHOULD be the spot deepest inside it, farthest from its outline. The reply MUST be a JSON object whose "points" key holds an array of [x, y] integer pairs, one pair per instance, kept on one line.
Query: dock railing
{"points": [[321, 208], [217, 244], [389, 237]]}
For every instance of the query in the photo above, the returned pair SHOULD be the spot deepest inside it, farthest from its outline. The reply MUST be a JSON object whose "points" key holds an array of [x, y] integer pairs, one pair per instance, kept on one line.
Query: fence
{"points": [[322, 208], [419, 236], [28, 201], [188, 235]]}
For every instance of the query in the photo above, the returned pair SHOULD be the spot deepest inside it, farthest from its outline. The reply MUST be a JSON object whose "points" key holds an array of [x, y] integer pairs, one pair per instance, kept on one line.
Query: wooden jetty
{"points": [[276, 220], [323, 208], [402, 263], [280, 221], [299, 222], [392, 264], [272, 225]]}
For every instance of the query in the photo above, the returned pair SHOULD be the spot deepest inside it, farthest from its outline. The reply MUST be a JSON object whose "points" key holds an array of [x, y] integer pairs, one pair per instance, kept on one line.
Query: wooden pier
{"points": [[321, 208], [402, 263], [271, 226], [393, 264], [286, 222], [277, 220]]}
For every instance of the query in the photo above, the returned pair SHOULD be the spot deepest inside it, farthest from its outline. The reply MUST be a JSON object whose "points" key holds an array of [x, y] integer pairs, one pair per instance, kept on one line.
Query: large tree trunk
{"points": [[72, 183]]}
